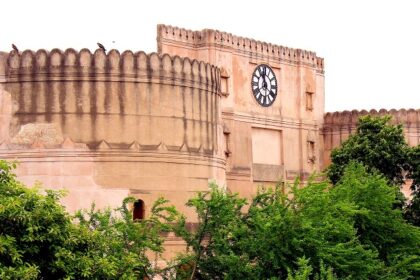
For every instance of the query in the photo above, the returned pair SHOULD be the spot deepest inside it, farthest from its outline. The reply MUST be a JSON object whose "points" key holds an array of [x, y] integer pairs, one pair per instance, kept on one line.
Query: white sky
{"points": [[371, 48]]}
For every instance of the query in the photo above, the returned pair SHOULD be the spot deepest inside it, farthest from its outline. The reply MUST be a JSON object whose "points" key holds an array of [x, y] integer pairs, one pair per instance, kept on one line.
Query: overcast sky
{"points": [[371, 48]]}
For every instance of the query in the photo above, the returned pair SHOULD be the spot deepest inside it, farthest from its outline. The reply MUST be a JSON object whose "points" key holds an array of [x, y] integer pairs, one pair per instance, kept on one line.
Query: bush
{"points": [[38, 239]]}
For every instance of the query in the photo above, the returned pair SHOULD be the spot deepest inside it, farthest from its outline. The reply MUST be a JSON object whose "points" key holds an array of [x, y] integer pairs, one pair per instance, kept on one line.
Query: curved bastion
{"points": [[105, 126]]}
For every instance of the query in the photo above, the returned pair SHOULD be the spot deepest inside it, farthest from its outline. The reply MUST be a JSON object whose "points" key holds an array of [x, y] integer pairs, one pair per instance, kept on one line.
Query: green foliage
{"points": [[413, 208], [38, 239], [213, 243], [33, 227], [303, 272], [351, 231], [414, 158], [110, 245], [380, 226], [378, 145], [328, 232], [381, 146]]}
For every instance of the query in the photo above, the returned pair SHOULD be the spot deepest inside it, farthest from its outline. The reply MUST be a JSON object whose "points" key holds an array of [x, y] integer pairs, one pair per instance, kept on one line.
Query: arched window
{"points": [[138, 211]]}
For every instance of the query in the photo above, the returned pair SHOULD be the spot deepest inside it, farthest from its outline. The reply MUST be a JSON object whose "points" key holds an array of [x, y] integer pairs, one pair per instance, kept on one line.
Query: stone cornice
{"points": [[271, 122], [79, 155]]}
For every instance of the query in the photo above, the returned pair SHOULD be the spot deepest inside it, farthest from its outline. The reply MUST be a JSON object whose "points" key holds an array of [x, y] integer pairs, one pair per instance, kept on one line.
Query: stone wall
{"points": [[210, 37], [263, 144], [106, 125]]}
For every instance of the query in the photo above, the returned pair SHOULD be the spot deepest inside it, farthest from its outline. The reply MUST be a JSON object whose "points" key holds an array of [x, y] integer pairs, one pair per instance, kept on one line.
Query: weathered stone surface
{"points": [[45, 133], [105, 124], [267, 173], [288, 124]]}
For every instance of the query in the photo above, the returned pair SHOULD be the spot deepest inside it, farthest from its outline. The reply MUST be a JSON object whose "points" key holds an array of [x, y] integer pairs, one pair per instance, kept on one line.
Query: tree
{"points": [[412, 213], [110, 245], [349, 231], [32, 228], [40, 240], [381, 146], [214, 243], [380, 226], [378, 145]]}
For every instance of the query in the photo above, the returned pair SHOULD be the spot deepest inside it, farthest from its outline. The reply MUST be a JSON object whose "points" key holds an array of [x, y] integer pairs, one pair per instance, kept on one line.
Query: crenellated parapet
{"points": [[408, 118], [83, 65], [109, 100], [210, 37]]}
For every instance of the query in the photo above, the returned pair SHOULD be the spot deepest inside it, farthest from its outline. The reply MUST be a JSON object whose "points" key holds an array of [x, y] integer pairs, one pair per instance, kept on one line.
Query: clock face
{"points": [[264, 85]]}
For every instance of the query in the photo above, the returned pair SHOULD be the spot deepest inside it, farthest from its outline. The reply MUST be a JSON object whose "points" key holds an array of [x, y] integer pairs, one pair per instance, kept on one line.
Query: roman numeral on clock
{"points": [[256, 91]]}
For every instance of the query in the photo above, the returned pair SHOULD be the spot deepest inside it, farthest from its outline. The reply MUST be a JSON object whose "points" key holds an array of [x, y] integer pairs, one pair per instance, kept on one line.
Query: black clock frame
{"points": [[261, 69]]}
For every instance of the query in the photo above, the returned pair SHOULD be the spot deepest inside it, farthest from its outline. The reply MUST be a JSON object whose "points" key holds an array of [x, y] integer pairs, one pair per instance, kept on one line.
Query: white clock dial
{"points": [[264, 85]]}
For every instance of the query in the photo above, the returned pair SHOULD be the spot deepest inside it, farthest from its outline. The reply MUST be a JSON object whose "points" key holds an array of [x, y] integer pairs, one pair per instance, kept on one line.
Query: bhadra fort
{"points": [[208, 106]]}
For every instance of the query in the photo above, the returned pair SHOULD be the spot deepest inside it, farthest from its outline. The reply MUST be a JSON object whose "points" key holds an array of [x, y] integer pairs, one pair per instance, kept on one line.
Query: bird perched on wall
{"points": [[15, 48], [101, 47]]}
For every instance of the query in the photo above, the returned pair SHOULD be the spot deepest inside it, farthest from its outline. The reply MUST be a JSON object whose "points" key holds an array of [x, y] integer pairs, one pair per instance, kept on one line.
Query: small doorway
{"points": [[138, 210]]}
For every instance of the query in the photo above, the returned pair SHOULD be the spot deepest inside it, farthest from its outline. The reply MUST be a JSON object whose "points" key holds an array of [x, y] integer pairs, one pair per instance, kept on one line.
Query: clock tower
{"points": [[272, 104]]}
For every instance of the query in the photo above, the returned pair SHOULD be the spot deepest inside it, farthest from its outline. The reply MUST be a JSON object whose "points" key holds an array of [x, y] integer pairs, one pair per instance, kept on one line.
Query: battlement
{"points": [[70, 64], [206, 37], [350, 118]]}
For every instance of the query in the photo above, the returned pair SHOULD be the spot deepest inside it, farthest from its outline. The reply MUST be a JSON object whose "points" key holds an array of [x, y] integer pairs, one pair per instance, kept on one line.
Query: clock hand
{"points": [[264, 84]]}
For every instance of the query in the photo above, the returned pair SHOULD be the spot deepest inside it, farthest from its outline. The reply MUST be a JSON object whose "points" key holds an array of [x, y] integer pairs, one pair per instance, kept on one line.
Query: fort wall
{"points": [[338, 126], [105, 126]]}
